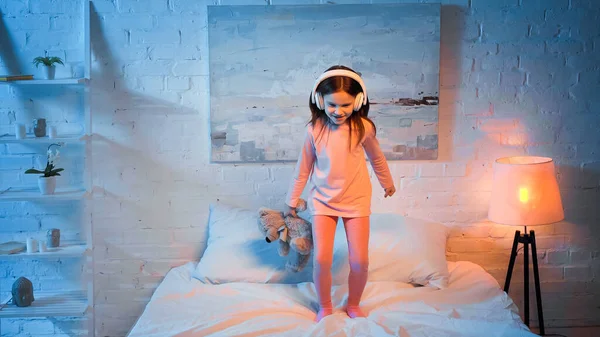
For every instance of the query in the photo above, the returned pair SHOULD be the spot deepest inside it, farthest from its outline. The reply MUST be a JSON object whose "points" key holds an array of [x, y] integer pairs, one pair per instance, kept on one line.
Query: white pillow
{"points": [[400, 249], [238, 252]]}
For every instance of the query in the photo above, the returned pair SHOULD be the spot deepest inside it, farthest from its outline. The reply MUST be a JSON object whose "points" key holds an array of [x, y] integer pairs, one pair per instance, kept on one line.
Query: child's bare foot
{"points": [[326, 311], [354, 311]]}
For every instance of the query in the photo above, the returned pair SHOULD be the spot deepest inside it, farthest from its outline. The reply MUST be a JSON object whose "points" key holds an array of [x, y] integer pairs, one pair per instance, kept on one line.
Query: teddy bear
{"points": [[291, 232]]}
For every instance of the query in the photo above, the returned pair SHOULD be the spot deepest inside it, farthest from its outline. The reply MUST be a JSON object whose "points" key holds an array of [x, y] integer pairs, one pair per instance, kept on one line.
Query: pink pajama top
{"points": [[340, 182]]}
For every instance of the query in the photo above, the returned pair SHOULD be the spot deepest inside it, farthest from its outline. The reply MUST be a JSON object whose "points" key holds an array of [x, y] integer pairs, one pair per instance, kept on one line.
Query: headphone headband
{"points": [[340, 72]]}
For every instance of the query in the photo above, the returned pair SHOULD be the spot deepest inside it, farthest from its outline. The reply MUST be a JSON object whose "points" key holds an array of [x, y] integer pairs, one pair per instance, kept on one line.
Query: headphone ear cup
{"points": [[358, 101], [319, 101]]}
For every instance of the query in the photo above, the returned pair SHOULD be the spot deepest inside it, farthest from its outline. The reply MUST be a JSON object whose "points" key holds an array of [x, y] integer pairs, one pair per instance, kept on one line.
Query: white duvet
{"points": [[473, 305]]}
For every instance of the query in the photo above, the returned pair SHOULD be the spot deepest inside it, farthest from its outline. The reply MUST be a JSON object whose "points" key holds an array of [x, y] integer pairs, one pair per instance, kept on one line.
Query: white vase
{"points": [[49, 72], [47, 185]]}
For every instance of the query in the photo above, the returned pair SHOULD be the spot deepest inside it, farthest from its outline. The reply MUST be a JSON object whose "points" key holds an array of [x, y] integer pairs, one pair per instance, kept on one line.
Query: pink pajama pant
{"points": [[357, 233]]}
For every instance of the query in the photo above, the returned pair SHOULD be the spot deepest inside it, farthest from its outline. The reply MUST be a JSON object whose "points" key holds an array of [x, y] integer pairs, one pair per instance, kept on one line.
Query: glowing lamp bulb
{"points": [[523, 195]]}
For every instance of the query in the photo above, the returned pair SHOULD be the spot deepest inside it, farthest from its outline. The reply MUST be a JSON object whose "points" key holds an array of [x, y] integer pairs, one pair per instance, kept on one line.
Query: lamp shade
{"points": [[525, 192]]}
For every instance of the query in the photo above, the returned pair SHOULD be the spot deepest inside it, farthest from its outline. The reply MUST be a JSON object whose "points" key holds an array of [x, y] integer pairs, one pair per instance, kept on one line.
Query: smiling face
{"points": [[339, 106]]}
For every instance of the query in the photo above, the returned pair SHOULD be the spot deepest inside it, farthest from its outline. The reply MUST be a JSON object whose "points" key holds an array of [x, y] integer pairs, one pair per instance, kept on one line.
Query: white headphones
{"points": [[359, 101]]}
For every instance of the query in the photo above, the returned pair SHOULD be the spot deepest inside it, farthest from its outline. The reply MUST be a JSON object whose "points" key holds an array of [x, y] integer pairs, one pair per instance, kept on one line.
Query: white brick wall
{"points": [[517, 77]]}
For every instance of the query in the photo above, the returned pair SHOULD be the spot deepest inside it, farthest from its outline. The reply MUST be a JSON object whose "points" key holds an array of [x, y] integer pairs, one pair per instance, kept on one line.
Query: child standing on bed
{"points": [[333, 156]]}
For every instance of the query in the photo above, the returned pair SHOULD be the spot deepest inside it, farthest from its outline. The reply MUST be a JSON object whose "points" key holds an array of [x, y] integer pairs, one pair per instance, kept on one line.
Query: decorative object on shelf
{"points": [[22, 292], [53, 238], [8, 78], [47, 182], [32, 245], [42, 246], [11, 247], [525, 193], [48, 62], [51, 131], [47, 185], [20, 132], [39, 127]]}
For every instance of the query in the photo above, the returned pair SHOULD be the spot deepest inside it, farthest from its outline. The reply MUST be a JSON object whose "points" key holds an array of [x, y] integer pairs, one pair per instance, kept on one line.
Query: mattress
{"points": [[472, 305]]}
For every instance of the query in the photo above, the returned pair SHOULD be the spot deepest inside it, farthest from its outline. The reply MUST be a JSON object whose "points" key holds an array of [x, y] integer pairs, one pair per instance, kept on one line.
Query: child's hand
{"points": [[389, 191], [291, 211]]}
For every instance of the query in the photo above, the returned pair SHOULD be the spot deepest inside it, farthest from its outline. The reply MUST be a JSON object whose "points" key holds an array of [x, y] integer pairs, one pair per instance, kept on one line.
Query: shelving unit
{"points": [[48, 304], [68, 303], [65, 250], [43, 140], [57, 81], [31, 194]]}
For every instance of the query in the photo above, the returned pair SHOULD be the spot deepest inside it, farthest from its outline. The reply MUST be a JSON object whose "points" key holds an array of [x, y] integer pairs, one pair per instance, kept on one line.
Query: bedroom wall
{"points": [[517, 77]]}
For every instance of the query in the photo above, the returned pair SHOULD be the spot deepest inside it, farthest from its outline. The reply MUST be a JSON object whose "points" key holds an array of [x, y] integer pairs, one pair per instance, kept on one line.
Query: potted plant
{"points": [[48, 62], [47, 180]]}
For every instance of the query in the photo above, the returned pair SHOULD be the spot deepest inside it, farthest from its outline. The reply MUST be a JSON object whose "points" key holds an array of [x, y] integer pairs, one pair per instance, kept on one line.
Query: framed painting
{"points": [[264, 60]]}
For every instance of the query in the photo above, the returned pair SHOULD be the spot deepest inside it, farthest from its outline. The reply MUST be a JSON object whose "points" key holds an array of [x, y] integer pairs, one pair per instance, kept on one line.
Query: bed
{"points": [[239, 288]]}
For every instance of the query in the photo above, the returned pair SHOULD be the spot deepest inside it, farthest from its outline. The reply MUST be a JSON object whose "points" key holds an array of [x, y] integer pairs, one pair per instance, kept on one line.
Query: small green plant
{"points": [[50, 169], [47, 60]]}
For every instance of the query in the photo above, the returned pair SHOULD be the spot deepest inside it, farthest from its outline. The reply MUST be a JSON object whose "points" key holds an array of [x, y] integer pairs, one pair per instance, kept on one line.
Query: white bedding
{"points": [[472, 305]]}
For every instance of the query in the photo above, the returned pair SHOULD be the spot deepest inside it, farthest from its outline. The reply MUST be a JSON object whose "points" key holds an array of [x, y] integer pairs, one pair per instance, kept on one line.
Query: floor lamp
{"points": [[525, 193]]}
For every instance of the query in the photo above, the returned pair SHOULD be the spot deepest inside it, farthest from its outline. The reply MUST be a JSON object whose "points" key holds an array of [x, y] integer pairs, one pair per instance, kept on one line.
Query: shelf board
{"points": [[30, 139], [65, 250], [34, 194], [48, 304], [58, 81]]}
